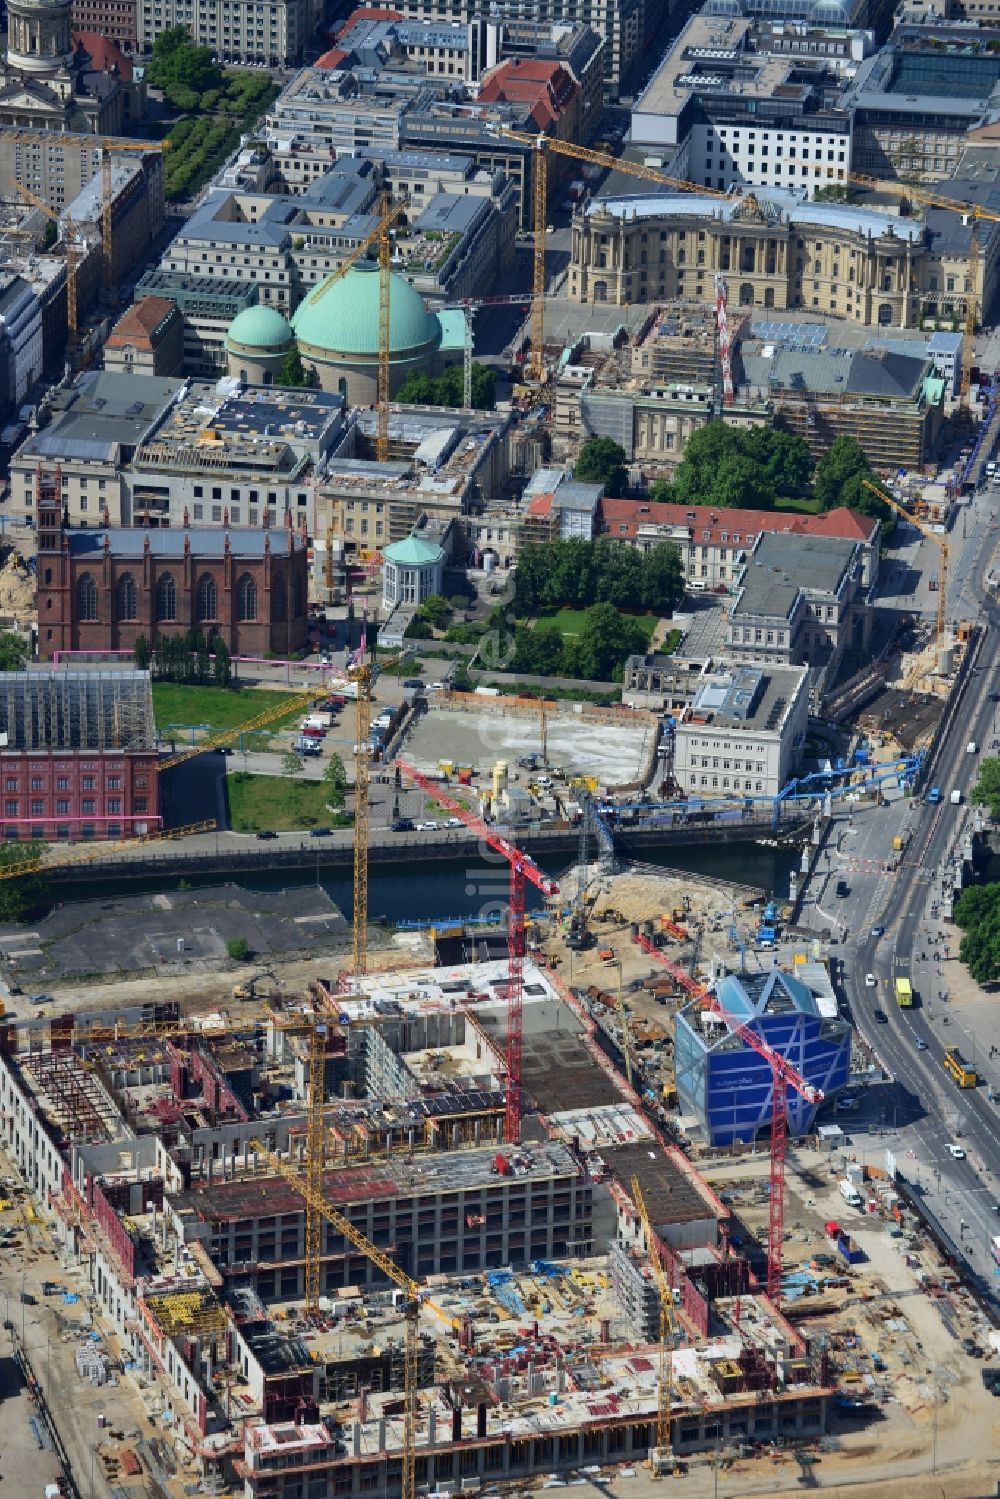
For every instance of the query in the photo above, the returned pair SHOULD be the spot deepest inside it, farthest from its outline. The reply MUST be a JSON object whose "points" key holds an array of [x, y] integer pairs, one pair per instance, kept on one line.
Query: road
{"points": [[930, 1111]]}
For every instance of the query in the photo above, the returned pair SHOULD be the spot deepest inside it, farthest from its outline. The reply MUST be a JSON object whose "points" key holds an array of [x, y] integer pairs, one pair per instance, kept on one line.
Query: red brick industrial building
{"points": [[79, 760], [100, 590]]}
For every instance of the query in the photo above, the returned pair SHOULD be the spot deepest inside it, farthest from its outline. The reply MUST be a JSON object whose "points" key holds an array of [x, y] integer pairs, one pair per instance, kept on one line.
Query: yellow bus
{"points": [[957, 1067], [904, 994]]}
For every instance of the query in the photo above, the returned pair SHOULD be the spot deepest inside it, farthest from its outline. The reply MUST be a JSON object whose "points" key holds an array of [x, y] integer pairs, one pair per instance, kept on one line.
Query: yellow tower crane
{"points": [[415, 1297], [661, 1458], [362, 672], [975, 211], [72, 252], [384, 335], [226, 736], [90, 853], [543, 145], [939, 542], [109, 145]]}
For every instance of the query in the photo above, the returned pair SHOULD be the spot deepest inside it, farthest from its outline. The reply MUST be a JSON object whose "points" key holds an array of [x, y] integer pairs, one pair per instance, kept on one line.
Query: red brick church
{"points": [[100, 590]]}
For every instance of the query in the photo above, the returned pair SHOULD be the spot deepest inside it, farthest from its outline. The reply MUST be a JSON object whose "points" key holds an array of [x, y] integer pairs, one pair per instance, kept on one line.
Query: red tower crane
{"points": [[522, 867], [783, 1075]]}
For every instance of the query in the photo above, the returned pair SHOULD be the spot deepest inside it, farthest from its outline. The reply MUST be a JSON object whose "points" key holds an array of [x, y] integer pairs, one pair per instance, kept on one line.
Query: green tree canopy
{"points": [[183, 71], [977, 912], [986, 791], [605, 639], [335, 781], [738, 468], [15, 651], [839, 473], [436, 610], [293, 373], [577, 572], [20, 896], [601, 460], [448, 388]]}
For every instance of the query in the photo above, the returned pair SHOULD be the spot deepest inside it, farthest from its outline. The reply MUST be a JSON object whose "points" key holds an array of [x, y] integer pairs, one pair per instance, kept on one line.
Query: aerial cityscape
{"points": [[500, 743]]}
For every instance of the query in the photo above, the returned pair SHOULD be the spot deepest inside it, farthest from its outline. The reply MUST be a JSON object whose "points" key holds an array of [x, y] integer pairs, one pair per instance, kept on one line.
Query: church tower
{"points": [[39, 41]]}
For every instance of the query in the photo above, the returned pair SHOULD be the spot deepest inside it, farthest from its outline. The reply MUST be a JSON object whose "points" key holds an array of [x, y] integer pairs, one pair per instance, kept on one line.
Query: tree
{"points": [[448, 388], [844, 461], [977, 912], [141, 653], [237, 948], [293, 373], [418, 629], [436, 610], [602, 461], [291, 768], [183, 71], [222, 668], [606, 638], [14, 651], [335, 781], [21, 896], [662, 578], [986, 792], [50, 234]]}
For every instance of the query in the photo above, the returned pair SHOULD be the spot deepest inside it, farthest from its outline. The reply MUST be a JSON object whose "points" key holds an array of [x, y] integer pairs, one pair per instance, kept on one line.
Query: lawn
{"points": [[570, 621], [796, 502], [256, 803], [219, 707]]}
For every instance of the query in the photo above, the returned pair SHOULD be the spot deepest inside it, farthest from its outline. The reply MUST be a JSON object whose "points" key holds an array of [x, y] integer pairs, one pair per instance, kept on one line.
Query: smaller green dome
{"points": [[413, 552], [260, 328]]}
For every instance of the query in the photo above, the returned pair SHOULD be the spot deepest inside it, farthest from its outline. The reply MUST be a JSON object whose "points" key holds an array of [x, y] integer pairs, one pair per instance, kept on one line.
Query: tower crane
{"points": [[373, 237], [89, 853], [978, 215], [72, 256], [668, 1334], [108, 145], [543, 145], [226, 736], [384, 336], [415, 1298], [783, 1076], [522, 867], [939, 541], [361, 670]]}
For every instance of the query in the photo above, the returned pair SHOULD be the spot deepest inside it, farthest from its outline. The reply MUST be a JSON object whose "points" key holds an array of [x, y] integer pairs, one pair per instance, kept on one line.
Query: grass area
{"points": [[257, 803], [671, 642], [798, 503], [556, 694], [570, 621], [220, 707]]}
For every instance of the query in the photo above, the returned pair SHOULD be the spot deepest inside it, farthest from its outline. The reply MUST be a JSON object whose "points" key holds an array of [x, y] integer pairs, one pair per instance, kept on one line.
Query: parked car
{"points": [[266, 833], [404, 825], [319, 832]]}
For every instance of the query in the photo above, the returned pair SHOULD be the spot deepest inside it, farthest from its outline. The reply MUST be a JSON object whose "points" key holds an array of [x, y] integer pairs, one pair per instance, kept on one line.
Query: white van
{"points": [[850, 1194], [697, 585]]}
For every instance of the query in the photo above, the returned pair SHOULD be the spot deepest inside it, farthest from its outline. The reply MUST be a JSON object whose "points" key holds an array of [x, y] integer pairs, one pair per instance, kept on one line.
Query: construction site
{"points": [[436, 1228]]}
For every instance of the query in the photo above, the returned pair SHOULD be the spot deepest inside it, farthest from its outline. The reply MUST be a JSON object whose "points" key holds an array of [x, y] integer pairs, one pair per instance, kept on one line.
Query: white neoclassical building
{"points": [[412, 571]]}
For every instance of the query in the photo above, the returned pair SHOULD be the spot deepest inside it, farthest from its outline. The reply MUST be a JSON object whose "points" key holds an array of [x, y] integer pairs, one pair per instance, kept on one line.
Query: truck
{"points": [[904, 994], [958, 1069], [956, 797], [850, 1194]]}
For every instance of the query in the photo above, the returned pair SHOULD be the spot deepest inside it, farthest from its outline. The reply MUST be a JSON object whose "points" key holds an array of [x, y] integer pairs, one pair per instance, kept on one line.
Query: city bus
{"points": [[904, 994], [956, 1067]]}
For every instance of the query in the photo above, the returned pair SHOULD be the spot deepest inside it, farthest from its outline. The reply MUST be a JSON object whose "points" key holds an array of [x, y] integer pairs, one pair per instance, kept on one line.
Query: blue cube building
{"points": [[727, 1085]]}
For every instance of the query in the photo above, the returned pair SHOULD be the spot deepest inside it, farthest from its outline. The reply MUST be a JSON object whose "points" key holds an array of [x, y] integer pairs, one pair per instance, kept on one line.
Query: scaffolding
{"points": [[76, 1100], [77, 710], [187, 1314]]}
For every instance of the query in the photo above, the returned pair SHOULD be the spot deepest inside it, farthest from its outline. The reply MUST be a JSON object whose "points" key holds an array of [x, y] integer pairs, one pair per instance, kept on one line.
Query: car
{"points": [[878, 931], [995, 697], [846, 1102], [921, 1044], [956, 1152], [455, 822], [403, 825], [266, 833], [871, 982], [319, 832], [428, 827], [881, 1018], [40, 999], [843, 889]]}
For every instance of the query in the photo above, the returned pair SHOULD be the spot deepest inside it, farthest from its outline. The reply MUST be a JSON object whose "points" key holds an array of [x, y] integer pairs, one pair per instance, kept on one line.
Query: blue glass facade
{"points": [[727, 1085]]}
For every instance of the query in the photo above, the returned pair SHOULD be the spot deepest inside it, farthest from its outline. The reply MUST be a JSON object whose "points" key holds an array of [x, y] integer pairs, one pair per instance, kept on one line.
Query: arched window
{"points": [[127, 603], [884, 314], [208, 597], [278, 598], [769, 296], [246, 598], [297, 609], [746, 295], [166, 598], [86, 597]]}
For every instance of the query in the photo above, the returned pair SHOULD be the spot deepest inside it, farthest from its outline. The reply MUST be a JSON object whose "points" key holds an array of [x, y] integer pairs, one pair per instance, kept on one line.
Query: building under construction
{"points": [[529, 1356], [78, 754]]}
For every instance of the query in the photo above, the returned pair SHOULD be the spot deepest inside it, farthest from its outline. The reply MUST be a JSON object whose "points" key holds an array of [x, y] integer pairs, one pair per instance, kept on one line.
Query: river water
{"points": [[466, 888]]}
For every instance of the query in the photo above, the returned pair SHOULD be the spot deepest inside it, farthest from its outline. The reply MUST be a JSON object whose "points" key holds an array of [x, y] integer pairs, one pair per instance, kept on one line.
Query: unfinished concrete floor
{"points": [[613, 752]]}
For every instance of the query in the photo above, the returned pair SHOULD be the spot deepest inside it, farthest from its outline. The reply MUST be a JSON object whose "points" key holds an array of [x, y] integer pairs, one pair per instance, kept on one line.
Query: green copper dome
{"points": [[259, 328], [342, 318], [413, 552]]}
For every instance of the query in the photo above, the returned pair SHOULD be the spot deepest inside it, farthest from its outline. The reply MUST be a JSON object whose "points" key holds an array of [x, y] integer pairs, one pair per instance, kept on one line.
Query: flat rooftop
{"points": [[673, 1193], [468, 1170], [749, 698], [212, 424], [100, 413], [782, 566]]}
